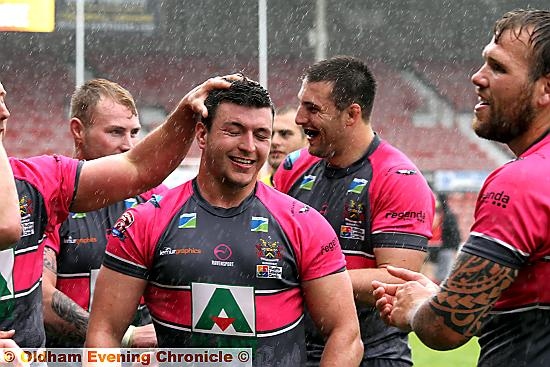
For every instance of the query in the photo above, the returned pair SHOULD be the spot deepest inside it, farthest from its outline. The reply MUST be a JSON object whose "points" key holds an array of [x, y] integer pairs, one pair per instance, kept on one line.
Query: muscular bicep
{"points": [[330, 298], [471, 290], [104, 181]]}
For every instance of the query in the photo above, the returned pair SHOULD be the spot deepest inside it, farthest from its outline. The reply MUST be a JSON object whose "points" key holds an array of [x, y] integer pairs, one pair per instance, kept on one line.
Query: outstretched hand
{"points": [[398, 303]]}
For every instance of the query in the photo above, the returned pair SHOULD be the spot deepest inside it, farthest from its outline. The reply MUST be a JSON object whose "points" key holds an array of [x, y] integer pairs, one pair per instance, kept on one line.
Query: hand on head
{"points": [[398, 303], [194, 100]]}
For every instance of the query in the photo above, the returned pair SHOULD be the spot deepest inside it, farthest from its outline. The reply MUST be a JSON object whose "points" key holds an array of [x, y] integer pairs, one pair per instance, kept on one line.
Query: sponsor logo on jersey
{"points": [[130, 203], [406, 172], [222, 309], [180, 251], [27, 227], [269, 271], [500, 199], [290, 159], [329, 247], [357, 185], [78, 215], [26, 210], [71, 241], [307, 182], [352, 233], [223, 253], [122, 224], [419, 216], [259, 224], [188, 220], [268, 251]]}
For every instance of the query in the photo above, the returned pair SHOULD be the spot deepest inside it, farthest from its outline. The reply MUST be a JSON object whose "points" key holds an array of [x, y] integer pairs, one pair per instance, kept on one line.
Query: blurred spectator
{"points": [[443, 245], [287, 137]]}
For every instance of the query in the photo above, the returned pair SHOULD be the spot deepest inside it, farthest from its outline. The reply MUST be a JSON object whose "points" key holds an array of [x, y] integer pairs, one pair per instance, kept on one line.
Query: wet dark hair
{"points": [[352, 82], [245, 92], [538, 23]]}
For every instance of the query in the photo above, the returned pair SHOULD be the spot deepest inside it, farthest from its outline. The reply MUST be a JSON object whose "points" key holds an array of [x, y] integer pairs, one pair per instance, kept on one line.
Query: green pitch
{"points": [[465, 356]]}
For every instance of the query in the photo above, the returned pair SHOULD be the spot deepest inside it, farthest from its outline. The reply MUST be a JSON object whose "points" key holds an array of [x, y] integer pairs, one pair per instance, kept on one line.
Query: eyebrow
{"points": [[311, 104]]}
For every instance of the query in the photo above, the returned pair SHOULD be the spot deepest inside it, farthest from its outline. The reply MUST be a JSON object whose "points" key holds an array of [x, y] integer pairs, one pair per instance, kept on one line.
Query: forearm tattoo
{"points": [[470, 291], [72, 313]]}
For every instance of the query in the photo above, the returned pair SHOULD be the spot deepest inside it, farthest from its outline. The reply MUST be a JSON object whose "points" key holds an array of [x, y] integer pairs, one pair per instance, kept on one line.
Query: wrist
{"points": [[128, 337]]}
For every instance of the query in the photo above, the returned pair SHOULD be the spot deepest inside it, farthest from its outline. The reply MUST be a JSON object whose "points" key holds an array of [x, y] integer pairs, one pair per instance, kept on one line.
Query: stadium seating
{"points": [[451, 80], [39, 85]]}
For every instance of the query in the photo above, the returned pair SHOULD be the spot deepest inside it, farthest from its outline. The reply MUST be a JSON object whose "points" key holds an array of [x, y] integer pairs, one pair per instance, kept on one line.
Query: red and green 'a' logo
{"points": [[227, 310], [7, 301]]}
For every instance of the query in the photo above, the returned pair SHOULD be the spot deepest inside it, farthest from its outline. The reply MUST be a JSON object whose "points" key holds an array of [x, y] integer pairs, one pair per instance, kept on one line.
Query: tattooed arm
{"points": [[457, 311], [62, 315], [445, 317]]}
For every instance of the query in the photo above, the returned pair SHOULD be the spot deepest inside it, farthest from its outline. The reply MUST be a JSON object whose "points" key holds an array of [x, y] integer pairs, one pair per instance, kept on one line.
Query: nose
{"points": [[128, 142], [4, 112], [479, 78], [247, 142], [276, 139], [301, 116]]}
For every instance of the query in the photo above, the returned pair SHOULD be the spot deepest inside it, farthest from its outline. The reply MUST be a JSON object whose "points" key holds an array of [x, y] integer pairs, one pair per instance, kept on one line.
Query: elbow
{"points": [[358, 348], [10, 233]]}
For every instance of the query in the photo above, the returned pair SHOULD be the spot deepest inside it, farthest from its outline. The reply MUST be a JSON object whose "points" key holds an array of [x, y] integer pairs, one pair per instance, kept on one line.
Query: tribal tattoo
{"points": [[470, 291]]}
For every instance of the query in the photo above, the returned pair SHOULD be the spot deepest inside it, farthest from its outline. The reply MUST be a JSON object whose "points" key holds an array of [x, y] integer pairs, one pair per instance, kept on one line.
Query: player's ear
{"points": [[200, 134], [353, 114], [77, 128], [544, 88]]}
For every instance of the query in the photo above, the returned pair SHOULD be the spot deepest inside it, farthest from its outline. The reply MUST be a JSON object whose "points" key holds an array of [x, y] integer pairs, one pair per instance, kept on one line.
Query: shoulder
{"points": [[388, 158], [286, 208], [294, 165]]}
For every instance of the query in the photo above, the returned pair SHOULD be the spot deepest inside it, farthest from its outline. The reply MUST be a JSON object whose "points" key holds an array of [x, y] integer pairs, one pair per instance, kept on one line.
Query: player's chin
{"points": [[242, 180]]}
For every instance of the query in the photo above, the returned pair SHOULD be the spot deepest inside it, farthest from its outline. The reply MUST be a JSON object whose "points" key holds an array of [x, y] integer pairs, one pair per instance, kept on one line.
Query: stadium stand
{"points": [[451, 80], [39, 86]]}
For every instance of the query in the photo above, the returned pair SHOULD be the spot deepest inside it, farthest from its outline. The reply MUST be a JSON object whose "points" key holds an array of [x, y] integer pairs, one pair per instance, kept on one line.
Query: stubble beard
{"points": [[504, 126]]}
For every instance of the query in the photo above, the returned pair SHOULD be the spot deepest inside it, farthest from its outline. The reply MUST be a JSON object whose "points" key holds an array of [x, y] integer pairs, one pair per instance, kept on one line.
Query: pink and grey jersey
{"points": [[512, 228], [46, 187], [380, 201], [226, 277], [80, 244]]}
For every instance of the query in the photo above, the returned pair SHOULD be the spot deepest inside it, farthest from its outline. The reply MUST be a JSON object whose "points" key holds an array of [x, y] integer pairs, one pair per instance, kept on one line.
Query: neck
{"points": [[356, 146], [221, 194], [77, 153], [523, 142]]}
